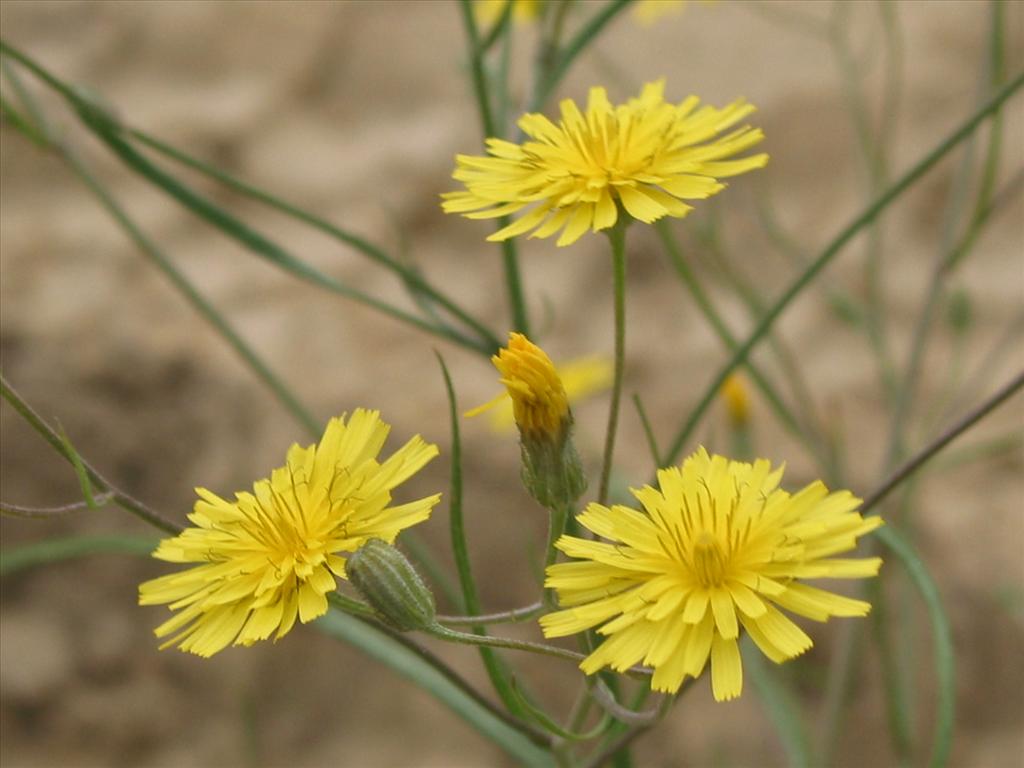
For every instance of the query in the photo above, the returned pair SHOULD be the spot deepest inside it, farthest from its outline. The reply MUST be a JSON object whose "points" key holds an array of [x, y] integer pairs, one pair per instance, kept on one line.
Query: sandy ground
{"points": [[355, 110]]}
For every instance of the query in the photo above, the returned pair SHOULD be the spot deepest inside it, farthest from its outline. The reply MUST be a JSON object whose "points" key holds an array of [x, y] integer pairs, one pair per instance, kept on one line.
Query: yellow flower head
{"points": [[489, 11], [718, 547], [273, 555], [540, 405], [736, 399], [644, 156], [647, 12]]}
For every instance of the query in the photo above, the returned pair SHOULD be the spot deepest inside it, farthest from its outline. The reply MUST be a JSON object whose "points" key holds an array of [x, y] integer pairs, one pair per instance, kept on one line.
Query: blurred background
{"points": [[355, 110]]}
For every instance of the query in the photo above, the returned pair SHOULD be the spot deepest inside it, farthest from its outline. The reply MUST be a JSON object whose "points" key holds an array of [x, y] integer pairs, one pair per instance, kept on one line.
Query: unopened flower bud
{"points": [[389, 583], [551, 469]]}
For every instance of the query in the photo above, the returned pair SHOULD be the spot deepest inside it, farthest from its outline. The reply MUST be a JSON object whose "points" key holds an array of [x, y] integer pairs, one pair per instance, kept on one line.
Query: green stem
{"points": [[514, 283], [707, 309], [628, 736], [848, 233], [513, 278], [421, 666], [107, 130], [407, 274], [121, 498], [444, 633], [949, 254], [513, 616], [652, 441], [205, 309], [557, 518], [572, 49], [496, 671], [617, 238]]}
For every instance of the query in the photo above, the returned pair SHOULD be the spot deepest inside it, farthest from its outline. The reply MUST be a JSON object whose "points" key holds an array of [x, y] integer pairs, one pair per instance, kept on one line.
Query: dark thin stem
{"points": [[847, 234], [910, 466], [617, 238], [121, 498], [45, 513]]}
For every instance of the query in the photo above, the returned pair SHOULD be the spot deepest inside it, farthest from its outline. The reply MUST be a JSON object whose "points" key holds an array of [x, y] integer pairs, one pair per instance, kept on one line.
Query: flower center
{"points": [[708, 560]]}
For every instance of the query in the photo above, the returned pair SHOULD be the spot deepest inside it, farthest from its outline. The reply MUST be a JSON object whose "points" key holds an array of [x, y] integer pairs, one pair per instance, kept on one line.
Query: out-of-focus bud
{"points": [[736, 399], [389, 583]]}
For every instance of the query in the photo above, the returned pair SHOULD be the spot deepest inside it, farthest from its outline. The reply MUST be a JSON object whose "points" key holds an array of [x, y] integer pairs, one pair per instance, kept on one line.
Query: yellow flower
{"points": [[718, 547], [737, 400], [581, 378], [489, 11], [644, 156], [647, 12], [273, 555]]}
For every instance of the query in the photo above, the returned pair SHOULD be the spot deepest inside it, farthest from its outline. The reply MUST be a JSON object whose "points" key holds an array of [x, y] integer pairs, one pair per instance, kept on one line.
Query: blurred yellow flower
{"points": [[647, 12], [489, 11], [643, 157], [736, 399], [716, 549], [273, 555]]}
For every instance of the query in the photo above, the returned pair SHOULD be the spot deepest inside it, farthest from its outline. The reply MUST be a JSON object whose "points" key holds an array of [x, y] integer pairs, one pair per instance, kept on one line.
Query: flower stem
{"points": [[444, 633], [556, 527], [964, 130], [121, 498], [512, 616], [496, 671], [617, 238]]}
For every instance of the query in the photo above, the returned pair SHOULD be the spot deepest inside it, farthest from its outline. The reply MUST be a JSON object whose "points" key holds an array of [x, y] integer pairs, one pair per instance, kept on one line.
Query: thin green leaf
{"points": [[57, 550], [21, 123], [496, 670], [652, 441], [780, 705], [414, 668], [408, 274], [945, 672]]}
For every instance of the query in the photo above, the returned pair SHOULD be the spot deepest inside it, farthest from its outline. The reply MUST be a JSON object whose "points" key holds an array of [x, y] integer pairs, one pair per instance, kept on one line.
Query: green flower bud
{"points": [[389, 583]]}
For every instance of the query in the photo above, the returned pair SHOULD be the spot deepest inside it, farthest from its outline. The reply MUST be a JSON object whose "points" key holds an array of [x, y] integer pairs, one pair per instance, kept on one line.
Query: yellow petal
{"points": [[726, 669]]}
